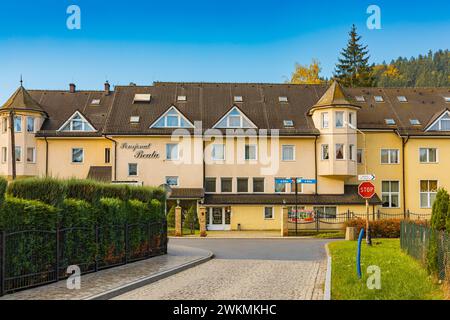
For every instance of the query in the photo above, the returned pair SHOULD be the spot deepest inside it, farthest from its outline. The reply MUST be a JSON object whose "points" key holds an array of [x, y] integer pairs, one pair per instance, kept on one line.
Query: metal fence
{"points": [[430, 247], [30, 258], [319, 222]]}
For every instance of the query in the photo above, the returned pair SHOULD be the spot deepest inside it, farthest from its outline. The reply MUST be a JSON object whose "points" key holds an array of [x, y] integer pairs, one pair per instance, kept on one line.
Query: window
{"points": [[428, 190], [339, 119], [132, 169], [339, 151], [218, 152], [172, 181], [390, 156], [288, 123], [238, 99], [447, 99], [172, 151], [442, 124], [325, 212], [258, 184], [226, 184], [351, 152], [268, 213], [107, 155], [142, 97], [287, 153], [77, 123], [77, 155], [31, 155], [172, 118], [4, 124], [428, 155], [360, 98], [325, 152], [4, 154], [30, 124], [250, 152], [359, 156], [234, 119], [242, 184], [181, 98], [17, 124], [95, 102], [18, 153], [210, 185], [351, 119], [414, 122], [280, 187], [134, 119], [325, 120], [390, 194], [402, 99], [390, 122], [378, 99], [283, 99]]}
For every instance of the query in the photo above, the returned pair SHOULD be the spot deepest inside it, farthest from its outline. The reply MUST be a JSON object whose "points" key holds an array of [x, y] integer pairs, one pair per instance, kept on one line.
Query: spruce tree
{"points": [[353, 69]]}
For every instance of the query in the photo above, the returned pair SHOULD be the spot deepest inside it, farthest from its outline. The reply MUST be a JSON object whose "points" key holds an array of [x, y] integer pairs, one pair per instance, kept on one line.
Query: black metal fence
{"points": [[428, 246], [30, 258], [318, 222]]}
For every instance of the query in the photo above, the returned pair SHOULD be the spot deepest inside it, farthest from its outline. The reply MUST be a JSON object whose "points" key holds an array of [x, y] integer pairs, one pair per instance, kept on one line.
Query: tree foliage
{"points": [[304, 74], [440, 210]]}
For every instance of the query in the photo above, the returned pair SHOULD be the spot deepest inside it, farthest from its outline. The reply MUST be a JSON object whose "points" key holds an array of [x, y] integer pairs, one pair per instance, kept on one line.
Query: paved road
{"points": [[248, 269]]}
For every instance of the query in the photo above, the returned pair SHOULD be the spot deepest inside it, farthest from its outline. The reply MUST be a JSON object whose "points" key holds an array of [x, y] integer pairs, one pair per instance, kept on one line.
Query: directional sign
{"points": [[283, 180], [307, 181], [366, 177], [366, 190]]}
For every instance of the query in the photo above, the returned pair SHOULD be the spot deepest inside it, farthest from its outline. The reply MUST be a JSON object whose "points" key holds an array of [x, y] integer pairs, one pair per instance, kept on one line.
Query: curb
{"points": [[248, 238], [149, 279], [327, 290]]}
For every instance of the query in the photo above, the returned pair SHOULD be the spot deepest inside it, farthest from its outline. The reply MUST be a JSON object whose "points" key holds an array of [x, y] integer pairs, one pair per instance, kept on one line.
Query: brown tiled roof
{"points": [[22, 100], [334, 96], [100, 173], [350, 197], [187, 193]]}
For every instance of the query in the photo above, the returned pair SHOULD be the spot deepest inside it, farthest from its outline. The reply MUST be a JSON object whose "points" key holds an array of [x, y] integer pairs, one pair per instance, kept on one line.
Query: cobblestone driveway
{"points": [[233, 279]]}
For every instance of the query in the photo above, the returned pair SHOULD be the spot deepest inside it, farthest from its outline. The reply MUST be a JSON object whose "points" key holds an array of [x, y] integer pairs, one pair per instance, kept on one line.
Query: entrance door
{"points": [[219, 218]]}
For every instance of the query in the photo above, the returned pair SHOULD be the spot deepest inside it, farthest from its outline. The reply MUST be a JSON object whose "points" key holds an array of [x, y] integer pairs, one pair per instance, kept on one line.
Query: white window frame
{"points": [[4, 124], [362, 156], [82, 156], [179, 116], [20, 153], [83, 123], [237, 184], [428, 155], [4, 154], [213, 156], [378, 99], [275, 183], [241, 114], [293, 152], [256, 152], [390, 193], [19, 118], [439, 121], [352, 118], [336, 119], [34, 124], [351, 152], [428, 193], [137, 169], [253, 184], [336, 149], [323, 153], [389, 156], [177, 178], [177, 154], [34, 154], [325, 120], [273, 213]]}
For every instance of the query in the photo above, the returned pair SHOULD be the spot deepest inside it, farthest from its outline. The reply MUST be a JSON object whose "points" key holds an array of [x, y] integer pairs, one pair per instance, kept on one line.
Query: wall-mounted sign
{"points": [[141, 150]]}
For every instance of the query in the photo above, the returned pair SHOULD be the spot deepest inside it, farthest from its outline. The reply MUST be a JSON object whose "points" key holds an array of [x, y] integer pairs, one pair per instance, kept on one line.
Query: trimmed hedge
{"points": [[3, 186], [48, 190], [386, 228]]}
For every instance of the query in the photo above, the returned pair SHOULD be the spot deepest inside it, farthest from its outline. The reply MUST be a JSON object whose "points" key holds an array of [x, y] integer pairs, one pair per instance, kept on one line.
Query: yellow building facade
{"points": [[235, 148]]}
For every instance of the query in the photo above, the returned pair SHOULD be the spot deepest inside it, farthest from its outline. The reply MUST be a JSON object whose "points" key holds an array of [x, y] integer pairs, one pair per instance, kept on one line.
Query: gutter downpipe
{"points": [[315, 163], [404, 142], [115, 155], [46, 156]]}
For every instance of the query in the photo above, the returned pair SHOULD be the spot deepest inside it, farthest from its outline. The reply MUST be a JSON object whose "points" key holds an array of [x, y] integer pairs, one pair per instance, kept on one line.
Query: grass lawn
{"points": [[187, 232], [402, 277]]}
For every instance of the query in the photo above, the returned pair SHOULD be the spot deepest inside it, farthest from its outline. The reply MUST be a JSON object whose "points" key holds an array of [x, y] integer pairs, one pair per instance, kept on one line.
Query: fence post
{"points": [[318, 223], [97, 246], [378, 214], [57, 251], [126, 242], [3, 263]]}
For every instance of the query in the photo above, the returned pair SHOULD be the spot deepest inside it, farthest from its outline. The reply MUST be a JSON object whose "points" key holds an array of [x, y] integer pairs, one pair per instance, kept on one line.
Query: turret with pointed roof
{"points": [[333, 97], [21, 100]]}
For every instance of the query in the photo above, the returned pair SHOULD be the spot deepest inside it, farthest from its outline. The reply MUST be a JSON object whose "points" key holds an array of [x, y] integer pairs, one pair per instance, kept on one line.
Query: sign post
{"points": [[366, 190]]}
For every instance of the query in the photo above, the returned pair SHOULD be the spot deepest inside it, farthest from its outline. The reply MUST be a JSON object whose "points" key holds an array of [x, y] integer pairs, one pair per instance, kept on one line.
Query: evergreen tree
{"points": [[191, 219], [171, 217], [353, 69], [440, 209]]}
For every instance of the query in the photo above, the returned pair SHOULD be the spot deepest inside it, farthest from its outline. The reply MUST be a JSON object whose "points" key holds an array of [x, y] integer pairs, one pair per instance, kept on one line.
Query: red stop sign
{"points": [[366, 190]]}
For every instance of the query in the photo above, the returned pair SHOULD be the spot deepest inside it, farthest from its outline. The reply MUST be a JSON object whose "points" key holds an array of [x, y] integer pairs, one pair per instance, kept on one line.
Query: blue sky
{"points": [[200, 40]]}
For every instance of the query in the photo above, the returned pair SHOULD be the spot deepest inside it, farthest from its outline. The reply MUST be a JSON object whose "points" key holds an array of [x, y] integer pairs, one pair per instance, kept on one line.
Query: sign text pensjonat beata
{"points": [[141, 151]]}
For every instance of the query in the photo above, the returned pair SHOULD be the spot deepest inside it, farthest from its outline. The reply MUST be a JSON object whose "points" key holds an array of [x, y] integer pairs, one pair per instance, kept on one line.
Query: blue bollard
{"points": [[358, 253]]}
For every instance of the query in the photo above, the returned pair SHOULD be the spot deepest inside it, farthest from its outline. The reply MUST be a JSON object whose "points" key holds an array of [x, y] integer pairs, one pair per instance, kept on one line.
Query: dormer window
{"points": [[134, 119], [414, 122], [378, 98], [288, 123], [447, 99], [181, 98], [402, 99], [360, 99], [172, 118], [77, 123], [95, 102], [283, 99], [238, 99], [390, 122], [234, 119], [442, 123], [142, 97]]}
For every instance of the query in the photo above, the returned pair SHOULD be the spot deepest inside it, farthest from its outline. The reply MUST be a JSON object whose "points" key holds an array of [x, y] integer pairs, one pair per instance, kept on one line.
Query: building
{"points": [[251, 135]]}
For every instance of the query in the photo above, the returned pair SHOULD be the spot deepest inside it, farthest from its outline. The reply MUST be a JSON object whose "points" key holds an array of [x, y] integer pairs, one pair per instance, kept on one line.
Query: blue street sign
{"points": [[307, 181], [283, 180]]}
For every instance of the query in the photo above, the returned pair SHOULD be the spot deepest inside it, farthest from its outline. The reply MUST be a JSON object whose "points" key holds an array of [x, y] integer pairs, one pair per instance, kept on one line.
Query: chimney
{"points": [[72, 88], [107, 87]]}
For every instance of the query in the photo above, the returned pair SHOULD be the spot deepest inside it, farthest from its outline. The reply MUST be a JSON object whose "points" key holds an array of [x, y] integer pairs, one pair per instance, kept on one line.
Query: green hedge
{"points": [[48, 190], [3, 186]]}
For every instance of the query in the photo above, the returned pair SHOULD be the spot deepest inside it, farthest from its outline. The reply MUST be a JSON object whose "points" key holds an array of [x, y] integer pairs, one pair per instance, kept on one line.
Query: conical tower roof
{"points": [[22, 100], [334, 96]]}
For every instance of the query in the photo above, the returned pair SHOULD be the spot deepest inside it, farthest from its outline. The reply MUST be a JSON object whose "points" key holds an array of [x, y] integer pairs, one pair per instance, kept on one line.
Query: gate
{"points": [[305, 222]]}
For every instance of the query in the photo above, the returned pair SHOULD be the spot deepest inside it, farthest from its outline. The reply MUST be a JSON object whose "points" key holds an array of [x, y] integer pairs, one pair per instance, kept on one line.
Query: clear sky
{"points": [[200, 40]]}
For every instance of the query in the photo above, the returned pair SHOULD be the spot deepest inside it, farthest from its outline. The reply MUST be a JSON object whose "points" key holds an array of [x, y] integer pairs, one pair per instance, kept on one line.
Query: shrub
{"points": [[171, 217], [439, 212], [47, 190], [87, 190], [387, 228], [191, 219], [156, 210], [3, 186]]}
